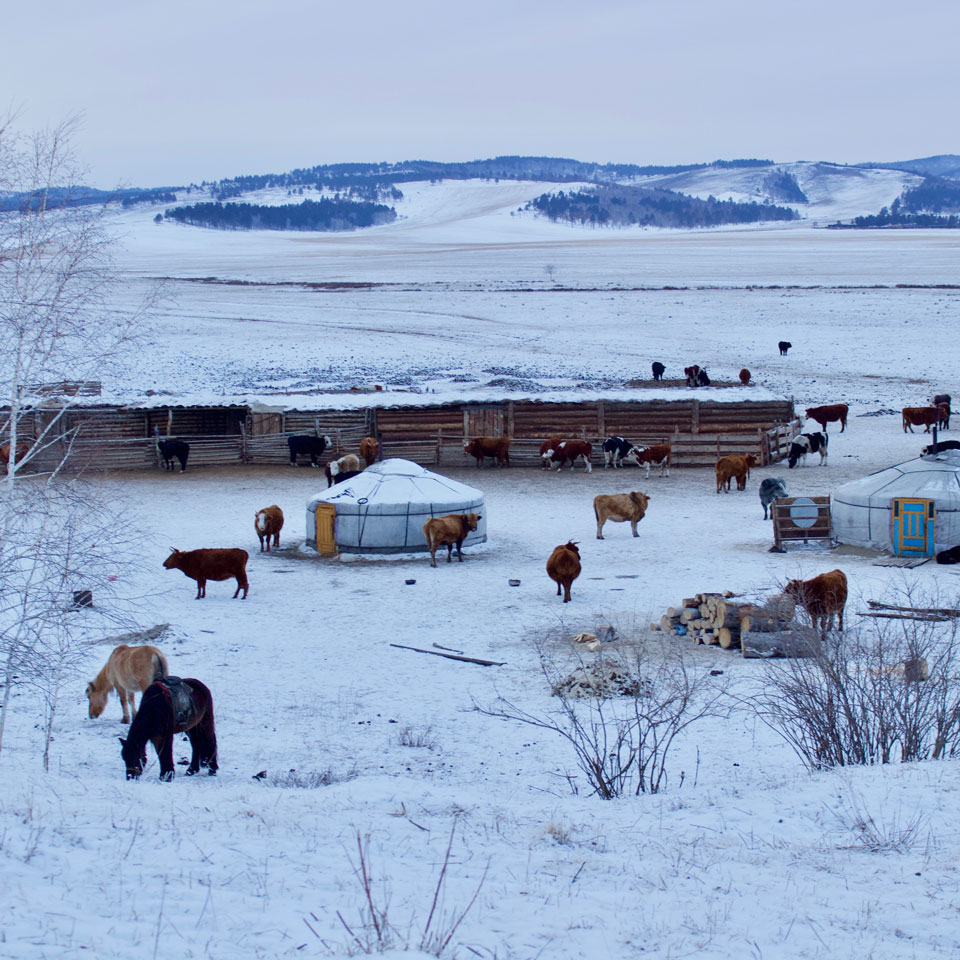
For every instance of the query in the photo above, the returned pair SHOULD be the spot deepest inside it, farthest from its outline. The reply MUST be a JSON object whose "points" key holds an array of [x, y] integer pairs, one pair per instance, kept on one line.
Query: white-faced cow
{"points": [[658, 456], [307, 445], [569, 451]]}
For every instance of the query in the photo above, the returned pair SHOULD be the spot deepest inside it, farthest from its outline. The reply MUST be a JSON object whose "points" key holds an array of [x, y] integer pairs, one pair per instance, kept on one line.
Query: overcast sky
{"points": [[180, 92]]}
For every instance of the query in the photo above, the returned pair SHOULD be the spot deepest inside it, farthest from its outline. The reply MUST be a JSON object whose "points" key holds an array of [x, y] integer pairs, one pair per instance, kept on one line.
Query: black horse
{"points": [[170, 706]]}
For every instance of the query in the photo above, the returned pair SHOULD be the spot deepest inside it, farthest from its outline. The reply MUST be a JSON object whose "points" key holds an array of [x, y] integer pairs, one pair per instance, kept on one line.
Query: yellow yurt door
{"points": [[325, 514], [914, 525]]}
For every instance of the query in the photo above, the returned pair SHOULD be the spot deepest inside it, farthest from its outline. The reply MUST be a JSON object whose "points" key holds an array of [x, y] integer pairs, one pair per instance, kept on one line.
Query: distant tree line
{"points": [[889, 218], [57, 197], [372, 181], [934, 195], [614, 205], [323, 214]]}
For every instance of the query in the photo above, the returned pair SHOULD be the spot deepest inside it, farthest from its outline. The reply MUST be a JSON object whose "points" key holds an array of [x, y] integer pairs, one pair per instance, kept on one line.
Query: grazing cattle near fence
{"points": [[658, 369], [620, 507], [167, 707], [734, 467], [771, 488], [784, 346], [569, 451], [658, 456], [346, 464], [268, 523], [616, 450], [696, 376], [211, 564], [450, 530], [305, 445], [925, 417], [171, 450], [496, 447], [823, 597], [829, 413], [546, 450], [129, 671], [369, 448], [806, 443], [932, 449], [563, 567], [942, 400], [745, 376]]}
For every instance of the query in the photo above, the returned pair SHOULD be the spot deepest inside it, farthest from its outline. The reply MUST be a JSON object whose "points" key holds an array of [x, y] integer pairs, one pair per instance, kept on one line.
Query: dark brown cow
{"points": [[497, 447], [451, 529], [829, 413], [563, 567], [822, 598], [745, 376], [942, 400], [211, 564], [268, 523], [926, 417], [569, 451]]}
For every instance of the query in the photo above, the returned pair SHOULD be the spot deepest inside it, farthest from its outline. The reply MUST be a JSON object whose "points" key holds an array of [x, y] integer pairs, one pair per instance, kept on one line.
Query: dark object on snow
{"points": [[82, 598], [170, 449], [658, 368], [952, 555], [784, 346], [772, 488]]}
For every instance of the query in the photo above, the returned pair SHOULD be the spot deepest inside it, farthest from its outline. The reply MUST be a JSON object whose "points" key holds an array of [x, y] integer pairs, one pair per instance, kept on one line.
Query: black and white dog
{"points": [[807, 443], [931, 449]]}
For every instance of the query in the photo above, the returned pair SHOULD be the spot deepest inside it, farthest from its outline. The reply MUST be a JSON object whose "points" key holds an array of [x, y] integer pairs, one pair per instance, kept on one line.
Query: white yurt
{"points": [[909, 508], [383, 509]]}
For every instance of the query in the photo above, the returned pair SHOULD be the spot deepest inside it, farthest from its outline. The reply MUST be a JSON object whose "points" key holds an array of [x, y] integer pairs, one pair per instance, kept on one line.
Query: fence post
{"points": [[436, 459], [695, 417], [244, 452]]}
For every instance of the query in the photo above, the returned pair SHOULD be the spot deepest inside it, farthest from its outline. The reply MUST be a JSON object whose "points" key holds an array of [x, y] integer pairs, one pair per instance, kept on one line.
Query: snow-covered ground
{"points": [[744, 853]]}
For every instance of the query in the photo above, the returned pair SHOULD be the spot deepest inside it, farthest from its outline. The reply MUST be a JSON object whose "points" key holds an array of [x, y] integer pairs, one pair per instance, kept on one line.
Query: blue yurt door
{"points": [[914, 525]]}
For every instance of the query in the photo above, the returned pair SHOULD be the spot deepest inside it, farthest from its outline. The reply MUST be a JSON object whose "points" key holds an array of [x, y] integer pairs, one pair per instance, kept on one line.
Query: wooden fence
{"points": [[123, 438]]}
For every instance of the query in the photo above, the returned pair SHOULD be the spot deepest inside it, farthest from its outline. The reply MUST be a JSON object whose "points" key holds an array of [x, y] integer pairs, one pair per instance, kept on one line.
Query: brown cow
{"points": [[658, 455], [369, 448], [498, 447], [942, 400], [822, 597], [563, 567], [546, 450], [745, 376], [211, 564], [451, 529], [829, 413], [620, 507], [269, 523], [920, 416], [726, 468], [22, 450], [569, 451], [128, 670]]}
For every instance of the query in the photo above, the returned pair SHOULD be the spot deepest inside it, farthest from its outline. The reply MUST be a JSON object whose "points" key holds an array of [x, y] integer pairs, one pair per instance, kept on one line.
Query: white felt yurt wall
{"points": [[384, 508], [861, 509]]}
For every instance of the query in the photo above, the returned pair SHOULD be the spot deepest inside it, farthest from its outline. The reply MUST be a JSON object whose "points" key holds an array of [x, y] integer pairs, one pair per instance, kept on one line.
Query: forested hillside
{"points": [[323, 214]]}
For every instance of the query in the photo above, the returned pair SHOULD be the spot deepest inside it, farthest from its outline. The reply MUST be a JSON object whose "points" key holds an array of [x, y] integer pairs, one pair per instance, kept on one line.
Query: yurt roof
{"points": [[397, 481], [932, 478]]}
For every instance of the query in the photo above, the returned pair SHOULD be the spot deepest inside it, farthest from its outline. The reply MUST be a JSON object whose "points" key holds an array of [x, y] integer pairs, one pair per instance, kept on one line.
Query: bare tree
{"points": [[57, 326]]}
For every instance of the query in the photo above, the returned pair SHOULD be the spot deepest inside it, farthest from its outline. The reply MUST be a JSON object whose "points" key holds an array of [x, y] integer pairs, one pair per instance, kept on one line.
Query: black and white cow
{"points": [[616, 450], [808, 443], [772, 488], [174, 448], [658, 368], [306, 445], [931, 449]]}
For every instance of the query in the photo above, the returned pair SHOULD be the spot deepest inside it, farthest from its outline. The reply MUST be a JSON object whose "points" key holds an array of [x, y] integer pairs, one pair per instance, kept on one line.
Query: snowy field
{"points": [[744, 854]]}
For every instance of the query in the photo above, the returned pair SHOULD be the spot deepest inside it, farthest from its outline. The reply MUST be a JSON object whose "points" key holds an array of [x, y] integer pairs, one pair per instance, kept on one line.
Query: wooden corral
{"points": [[700, 431]]}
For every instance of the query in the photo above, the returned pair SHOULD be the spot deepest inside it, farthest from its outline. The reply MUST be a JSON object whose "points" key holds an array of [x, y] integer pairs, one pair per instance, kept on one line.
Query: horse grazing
{"points": [[128, 670], [170, 706]]}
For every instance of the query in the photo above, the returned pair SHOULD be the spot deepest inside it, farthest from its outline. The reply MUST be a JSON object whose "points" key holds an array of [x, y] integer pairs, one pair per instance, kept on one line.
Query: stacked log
{"points": [[709, 618], [769, 630]]}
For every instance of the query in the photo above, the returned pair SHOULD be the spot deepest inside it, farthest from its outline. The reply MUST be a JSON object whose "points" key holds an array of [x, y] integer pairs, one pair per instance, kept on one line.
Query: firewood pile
{"points": [[756, 628]]}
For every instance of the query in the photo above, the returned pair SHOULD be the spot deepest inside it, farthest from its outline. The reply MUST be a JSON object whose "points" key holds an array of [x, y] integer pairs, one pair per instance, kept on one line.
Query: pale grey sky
{"points": [[178, 92]]}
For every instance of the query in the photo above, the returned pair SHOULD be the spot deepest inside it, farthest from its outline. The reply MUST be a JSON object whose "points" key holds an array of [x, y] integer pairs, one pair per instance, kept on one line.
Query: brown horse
{"points": [[129, 670], [170, 706]]}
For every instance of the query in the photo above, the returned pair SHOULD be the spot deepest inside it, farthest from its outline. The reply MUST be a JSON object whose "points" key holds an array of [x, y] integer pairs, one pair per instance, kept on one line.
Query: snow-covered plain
{"points": [[744, 853]]}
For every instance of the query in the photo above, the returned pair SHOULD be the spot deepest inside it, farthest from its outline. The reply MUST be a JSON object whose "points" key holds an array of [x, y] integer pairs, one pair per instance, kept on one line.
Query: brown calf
{"points": [[498, 447], [822, 597], [923, 417], [211, 564], [369, 448], [745, 376], [563, 567], [546, 450], [730, 467], [620, 507], [451, 529], [128, 670], [269, 523]]}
